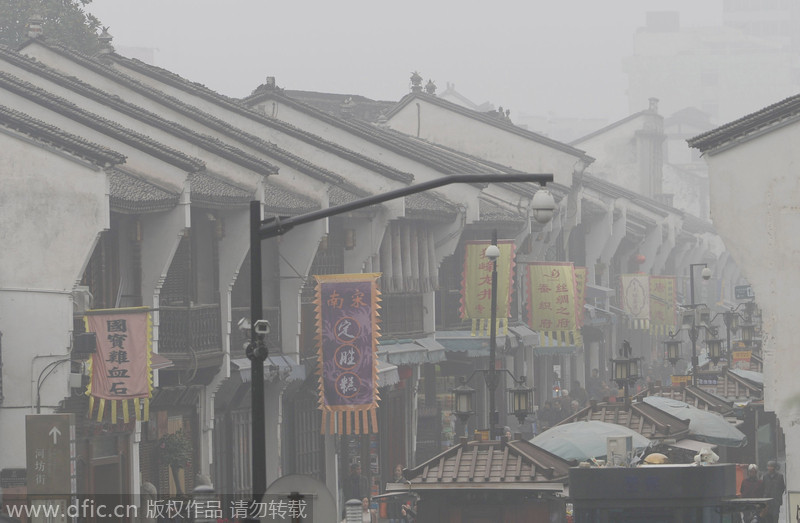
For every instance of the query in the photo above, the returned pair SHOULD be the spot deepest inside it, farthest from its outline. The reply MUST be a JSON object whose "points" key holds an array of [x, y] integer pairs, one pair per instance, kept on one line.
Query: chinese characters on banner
{"points": [[580, 292], [476, 285], [347, 330], [741, 359], [635, 298], [120, 370], [680, 381], [663, 309], [553, 307]]}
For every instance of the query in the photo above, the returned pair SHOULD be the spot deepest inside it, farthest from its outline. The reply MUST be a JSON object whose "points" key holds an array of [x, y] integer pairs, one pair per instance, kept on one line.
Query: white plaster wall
{"points": [[615, 154], [52, 208], [754, 206], [442, 126]]}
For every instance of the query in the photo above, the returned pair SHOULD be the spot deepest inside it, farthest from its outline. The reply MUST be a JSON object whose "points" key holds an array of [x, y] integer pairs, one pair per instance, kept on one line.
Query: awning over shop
{"points": [[387, 374], [274, 367], [464, 341], [411, 352], [157, 361], [556, 350], [598, 292]]}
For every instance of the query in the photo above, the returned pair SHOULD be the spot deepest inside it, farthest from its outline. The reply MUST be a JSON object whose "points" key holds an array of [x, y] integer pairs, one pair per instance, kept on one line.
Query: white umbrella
{"points": [[704, 425], [583, 440]]}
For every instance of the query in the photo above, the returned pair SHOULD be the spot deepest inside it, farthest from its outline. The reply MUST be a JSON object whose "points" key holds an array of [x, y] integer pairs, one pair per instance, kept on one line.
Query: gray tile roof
{"points": [[56, 137], [281, 201], [645, 419], [749, 126], [238, 107], [64, 107], [426, 205], [490, 212], [130, 193], [212, 190], [490, 120], [481, 464], [114, 102], [438, 158]]}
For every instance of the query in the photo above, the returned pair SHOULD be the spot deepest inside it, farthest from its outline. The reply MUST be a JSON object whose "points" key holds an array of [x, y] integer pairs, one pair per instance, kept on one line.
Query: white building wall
{"points": [[754, 206], [52, 209]]}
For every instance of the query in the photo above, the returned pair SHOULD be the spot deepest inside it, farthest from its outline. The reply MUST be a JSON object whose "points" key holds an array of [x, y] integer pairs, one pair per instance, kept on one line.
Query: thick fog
{"points": [[536, 57]]}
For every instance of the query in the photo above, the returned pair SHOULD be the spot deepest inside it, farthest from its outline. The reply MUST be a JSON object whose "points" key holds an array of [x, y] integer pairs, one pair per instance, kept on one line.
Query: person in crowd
{"points": [[356, 486], [547, 415], [774, 487], [368, 515], [752, 487], [394, 508], [578, 393], [594, 386]]}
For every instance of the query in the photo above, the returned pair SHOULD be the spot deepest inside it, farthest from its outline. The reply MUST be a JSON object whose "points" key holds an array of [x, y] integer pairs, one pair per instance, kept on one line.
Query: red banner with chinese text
{"points": [[741, 359], [476, 285], [553, 303], [635, 299], [120, 370], [347, 333], [663, 305]]}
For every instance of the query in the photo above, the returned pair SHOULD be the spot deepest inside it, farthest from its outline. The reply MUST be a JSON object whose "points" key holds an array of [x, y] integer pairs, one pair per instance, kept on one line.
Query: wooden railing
{"points": [[193, 328]]}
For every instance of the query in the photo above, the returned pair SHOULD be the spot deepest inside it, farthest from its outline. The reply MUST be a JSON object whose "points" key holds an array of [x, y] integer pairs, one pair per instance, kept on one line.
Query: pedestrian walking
{"points": [[752, 487], [774, 487]]}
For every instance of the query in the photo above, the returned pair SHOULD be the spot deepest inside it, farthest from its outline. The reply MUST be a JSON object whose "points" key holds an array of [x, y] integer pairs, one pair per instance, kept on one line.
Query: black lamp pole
{"points": [[694, 330], [491, 376], [277, 226]]}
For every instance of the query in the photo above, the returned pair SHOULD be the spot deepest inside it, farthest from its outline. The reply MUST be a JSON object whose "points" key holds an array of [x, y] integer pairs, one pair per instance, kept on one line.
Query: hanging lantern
{"points": [[714, 349], [521, 399], [748, 333], [673, 350], [463, 401]]}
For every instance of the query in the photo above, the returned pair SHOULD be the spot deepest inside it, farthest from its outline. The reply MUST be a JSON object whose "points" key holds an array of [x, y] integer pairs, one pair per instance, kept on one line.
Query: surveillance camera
{"points": [[706, 273], [262, 327], [244, 324]]}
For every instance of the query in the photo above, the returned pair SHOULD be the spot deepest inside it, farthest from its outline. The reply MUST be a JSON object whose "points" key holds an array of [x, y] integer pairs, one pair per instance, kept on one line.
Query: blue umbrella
{"points": [[704, 425], [584, 440]]}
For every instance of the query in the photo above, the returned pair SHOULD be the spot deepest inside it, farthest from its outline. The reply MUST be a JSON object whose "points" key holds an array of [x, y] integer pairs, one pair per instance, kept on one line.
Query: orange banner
{"points": [[476, 285], [552, 302], [120, 369], [663, 305]]}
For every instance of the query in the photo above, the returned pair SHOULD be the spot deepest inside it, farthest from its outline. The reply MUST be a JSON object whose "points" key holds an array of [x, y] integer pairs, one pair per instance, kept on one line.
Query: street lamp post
{"points": [[277, 226], [694, 330], [491, 377]]}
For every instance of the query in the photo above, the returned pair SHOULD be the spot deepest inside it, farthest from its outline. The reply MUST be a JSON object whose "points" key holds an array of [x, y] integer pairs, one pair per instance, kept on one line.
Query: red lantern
{"points": [[640, 258]]}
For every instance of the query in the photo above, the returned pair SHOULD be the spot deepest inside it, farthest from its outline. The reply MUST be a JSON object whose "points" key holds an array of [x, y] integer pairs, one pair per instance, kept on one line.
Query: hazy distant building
{"points": [[720, 70], [776, 20]]}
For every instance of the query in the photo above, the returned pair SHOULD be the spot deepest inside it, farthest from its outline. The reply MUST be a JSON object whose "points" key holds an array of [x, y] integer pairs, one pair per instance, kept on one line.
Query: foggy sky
{"points": [[561, 57]]}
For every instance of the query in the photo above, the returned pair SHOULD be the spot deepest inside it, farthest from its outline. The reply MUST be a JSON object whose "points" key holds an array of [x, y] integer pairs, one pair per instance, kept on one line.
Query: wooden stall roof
{"points": [[645, 419], [512, 465]]}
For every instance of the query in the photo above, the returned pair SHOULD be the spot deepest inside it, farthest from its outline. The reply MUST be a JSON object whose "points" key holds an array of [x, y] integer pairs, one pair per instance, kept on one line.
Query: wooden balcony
{"points": [[190, 335]]}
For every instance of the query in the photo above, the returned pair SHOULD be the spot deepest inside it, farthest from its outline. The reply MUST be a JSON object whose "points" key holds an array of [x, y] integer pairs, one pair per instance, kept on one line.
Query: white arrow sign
{"points": [[55, 433]]}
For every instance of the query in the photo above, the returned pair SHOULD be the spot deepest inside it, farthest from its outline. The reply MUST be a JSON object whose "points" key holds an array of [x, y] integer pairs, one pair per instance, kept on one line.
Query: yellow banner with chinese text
{"points": [[635, 298], [553, 302], [476, 285], [663, 308]]}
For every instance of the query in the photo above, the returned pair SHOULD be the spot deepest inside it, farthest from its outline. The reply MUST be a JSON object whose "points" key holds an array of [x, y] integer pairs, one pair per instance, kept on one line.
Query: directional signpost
{"points": [[50, 450]]}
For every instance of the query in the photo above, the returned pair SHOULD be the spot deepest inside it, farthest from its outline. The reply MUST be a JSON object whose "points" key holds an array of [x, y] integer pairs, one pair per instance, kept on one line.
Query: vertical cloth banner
{"points": [[347, 333], [120, 369], [663, 305], [552, 302], [580, 292], [476, 285], [635, 298]]}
